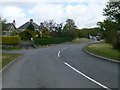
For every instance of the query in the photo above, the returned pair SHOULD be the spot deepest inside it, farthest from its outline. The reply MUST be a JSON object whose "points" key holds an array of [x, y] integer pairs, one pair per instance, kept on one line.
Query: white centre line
{"points": [[59, 54], [60, 51], [103, 86]]}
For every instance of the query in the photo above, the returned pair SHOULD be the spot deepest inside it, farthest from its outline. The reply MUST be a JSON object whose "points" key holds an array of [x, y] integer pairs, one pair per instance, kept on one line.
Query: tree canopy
{"points": [[111, 25], [31, 27]]}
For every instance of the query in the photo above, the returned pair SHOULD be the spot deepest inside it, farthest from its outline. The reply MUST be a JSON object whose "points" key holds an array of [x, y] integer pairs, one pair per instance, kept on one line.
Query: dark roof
{"points": [[10, 25], [24, 26]]}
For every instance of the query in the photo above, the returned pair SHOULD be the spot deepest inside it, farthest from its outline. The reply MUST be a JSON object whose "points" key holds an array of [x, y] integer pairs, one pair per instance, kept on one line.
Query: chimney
{"points": [[31, 20], [14, 23]]}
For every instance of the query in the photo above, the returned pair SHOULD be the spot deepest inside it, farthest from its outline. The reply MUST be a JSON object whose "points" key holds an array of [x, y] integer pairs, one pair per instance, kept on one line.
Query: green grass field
{"points": [[80, 40], [7, 58], [104, 49]]}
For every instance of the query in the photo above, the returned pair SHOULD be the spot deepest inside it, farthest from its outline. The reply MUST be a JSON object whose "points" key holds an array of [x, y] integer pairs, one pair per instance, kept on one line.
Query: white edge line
{"points": [[59, 54], [87, 77]]}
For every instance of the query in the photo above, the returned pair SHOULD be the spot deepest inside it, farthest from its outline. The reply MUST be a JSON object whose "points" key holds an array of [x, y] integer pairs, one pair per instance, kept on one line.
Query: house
{"points": [[24, 26], [11, 29]]}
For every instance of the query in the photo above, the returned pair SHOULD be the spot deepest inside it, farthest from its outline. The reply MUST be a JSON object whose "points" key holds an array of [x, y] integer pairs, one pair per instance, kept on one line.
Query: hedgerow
{"points": [[46, 41], [10, 40]]}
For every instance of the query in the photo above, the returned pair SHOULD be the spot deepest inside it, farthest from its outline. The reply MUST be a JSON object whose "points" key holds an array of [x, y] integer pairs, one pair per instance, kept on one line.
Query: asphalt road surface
{"points": [[61, 66]]}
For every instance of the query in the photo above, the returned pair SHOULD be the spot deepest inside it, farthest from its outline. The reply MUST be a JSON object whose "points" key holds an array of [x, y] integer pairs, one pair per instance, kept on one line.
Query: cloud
{"points": [[11, 13], [56, 0], [86, 13]]}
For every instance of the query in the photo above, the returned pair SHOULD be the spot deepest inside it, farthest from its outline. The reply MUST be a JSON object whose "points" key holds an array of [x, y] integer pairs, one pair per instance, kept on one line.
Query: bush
{"points": [[46, 41], [10, 40], [27, 34]]}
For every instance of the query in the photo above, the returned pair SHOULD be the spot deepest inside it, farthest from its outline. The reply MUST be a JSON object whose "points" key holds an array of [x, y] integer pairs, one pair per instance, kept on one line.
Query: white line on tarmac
{"points": [[59, 54], [103, 86]]}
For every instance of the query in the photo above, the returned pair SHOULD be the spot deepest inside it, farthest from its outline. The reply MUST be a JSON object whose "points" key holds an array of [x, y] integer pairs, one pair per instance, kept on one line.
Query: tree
{"points": [[27, 34], [3, 23], [111, 26], [112, 11], [57, 31], [69, 27], [31, 27], [50, 25], [45, 33]]}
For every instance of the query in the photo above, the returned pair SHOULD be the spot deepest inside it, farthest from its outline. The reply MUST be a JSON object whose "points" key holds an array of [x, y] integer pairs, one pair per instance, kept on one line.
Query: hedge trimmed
{"points": [[46, 41], [10, 40]]}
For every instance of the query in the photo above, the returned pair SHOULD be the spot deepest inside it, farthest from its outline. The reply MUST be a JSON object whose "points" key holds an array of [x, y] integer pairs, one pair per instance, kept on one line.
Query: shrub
{"points": [[10, 40], [46, 41], [27, 34]]}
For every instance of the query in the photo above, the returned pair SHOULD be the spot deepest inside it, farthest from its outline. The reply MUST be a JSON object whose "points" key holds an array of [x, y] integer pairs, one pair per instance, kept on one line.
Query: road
{"points": [[61, 66]]}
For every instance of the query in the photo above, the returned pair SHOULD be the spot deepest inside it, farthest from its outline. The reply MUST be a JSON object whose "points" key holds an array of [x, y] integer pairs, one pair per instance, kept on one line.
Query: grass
{"points": [[104, 49], [41, 47], [15, 48], [80, 40], [7, 58]]}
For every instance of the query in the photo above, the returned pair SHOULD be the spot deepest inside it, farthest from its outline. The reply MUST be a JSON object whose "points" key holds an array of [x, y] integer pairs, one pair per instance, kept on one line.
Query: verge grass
{"points": [[104, 49], [80, 40], [14, 48], [7, 58]]}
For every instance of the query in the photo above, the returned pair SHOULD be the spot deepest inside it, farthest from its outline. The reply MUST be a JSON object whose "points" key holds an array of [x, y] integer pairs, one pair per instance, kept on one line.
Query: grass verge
{"points": [[11, 48], [104, 49], [80, 40], [7, 58]]}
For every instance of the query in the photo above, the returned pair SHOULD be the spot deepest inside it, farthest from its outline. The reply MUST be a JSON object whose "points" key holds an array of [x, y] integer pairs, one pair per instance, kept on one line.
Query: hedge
{"points": [[46, 41], [10, 40]]}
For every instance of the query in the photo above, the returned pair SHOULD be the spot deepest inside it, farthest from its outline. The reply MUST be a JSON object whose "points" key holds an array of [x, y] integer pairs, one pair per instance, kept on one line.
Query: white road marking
{"points": [[103, 86], [59, 54]]}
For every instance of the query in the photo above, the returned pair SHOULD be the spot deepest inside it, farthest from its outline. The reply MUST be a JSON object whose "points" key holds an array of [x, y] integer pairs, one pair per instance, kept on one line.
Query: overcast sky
{"points": [[85, 13]]}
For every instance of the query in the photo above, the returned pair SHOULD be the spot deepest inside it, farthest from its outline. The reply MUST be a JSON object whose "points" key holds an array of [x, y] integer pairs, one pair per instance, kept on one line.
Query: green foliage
{"points": [[4, 23], [27, 34], [31, 27], [85, 32], [46, 41], [112, 11], [80, 40], [111, 26], [104, 49], [69, 28], [10, 40], [45, 33]]}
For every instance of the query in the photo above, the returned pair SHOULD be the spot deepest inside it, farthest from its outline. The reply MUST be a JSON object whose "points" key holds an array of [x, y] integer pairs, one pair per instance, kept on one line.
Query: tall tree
{"points": [[4, 23], [50, 25], [112, 11], [69, 28], [111, 26], [31, 27], [70, 25]]}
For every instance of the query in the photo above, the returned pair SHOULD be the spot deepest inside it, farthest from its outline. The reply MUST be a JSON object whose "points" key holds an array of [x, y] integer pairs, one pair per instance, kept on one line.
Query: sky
{"points": [[85, 13]]}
